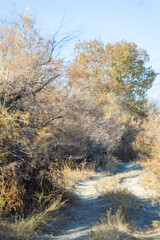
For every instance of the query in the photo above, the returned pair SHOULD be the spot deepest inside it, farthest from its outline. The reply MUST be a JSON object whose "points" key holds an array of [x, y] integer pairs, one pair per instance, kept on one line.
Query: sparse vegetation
{"points": [[128, 203], [114, 196], [113, 226]]}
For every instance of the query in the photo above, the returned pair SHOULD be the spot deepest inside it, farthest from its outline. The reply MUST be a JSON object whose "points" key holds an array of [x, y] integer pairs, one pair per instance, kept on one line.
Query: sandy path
{"points": [[149, 211], [83, 216]]}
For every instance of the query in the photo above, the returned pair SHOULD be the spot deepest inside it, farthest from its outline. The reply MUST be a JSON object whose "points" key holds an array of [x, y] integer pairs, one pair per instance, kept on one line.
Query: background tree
{"points": [[118, 68]]}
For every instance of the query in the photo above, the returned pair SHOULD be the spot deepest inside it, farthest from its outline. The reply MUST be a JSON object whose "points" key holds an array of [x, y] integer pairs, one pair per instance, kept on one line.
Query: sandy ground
{"points": [[78, 221]]}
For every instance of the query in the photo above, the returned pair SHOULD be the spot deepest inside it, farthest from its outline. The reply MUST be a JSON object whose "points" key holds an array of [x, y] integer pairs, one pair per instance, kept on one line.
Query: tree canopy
{"points": [[119, 68]]}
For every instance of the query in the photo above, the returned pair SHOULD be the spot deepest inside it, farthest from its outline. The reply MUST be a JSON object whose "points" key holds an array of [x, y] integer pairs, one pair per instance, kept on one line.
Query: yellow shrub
{"points": [[11, 195]]}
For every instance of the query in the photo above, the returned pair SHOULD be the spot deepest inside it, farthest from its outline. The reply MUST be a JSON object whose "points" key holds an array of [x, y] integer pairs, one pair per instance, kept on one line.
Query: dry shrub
{"points": [[149, 140], [97, 128], [109, 164], [24, 163], [27, 228], [73, 174], [62, 177], [149, 134], [11, 195], [21, 184]]}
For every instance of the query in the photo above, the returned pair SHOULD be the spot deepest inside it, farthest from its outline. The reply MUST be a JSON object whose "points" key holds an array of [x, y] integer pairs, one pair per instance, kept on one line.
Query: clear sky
{"points": [[109, 20]]}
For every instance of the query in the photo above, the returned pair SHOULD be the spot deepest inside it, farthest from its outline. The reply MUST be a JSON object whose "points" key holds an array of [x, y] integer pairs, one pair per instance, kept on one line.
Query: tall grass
{"points": [[21, 228], [73, 174]]}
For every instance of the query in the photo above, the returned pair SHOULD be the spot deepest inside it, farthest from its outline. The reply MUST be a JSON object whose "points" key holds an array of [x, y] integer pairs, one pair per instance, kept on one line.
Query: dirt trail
{"points": [[82, 217]]}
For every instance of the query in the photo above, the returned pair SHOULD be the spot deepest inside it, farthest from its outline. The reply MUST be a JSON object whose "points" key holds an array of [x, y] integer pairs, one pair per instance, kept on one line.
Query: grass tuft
{"points": [[112, 226]]}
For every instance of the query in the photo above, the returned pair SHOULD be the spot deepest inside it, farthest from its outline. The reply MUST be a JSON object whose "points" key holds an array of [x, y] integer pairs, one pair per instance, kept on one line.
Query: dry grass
{"points": [[74, 174], [131, 173], [27, 228], [111, 183], [120, 223], [151, 182], [151, 179], [114, 197], [105, 185], [113, 226], [128, 203]]}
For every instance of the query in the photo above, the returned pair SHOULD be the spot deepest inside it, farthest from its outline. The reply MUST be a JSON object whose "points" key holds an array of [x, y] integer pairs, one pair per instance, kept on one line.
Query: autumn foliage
{"points": [[52, 111]]}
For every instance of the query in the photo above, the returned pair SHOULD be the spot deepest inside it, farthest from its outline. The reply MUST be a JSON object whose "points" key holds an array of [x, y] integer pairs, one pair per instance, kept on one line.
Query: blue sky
{"points": [[109, 20]]}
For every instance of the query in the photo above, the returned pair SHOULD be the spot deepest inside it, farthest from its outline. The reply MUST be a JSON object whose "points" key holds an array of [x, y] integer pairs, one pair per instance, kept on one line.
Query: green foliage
{"points": [[118, 68]]}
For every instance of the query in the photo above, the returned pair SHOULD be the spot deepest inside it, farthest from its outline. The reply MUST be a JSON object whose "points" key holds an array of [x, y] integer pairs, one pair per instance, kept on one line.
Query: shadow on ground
{"points": [[76, 220]]}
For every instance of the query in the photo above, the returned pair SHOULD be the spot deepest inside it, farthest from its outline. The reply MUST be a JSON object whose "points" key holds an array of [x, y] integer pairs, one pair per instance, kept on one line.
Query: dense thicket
{"points": [[51, 111]]}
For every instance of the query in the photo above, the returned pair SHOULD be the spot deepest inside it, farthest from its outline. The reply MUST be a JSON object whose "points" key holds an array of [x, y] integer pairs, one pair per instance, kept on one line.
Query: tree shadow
{"points": [[76, 221], [138, 212]]}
